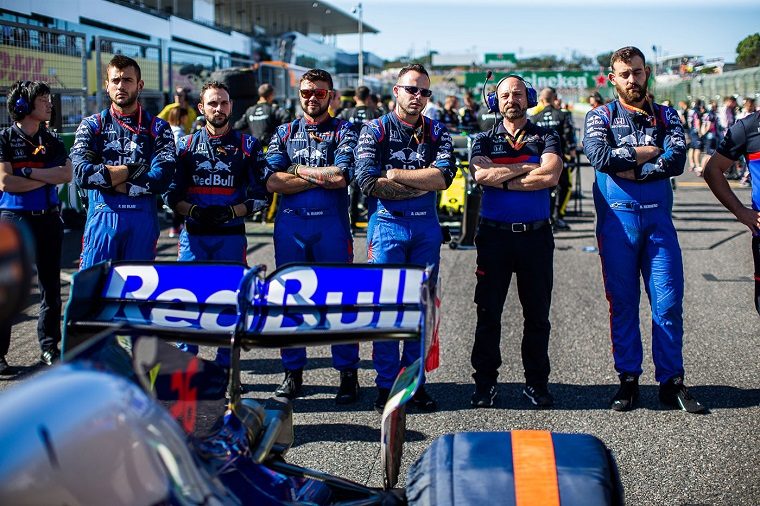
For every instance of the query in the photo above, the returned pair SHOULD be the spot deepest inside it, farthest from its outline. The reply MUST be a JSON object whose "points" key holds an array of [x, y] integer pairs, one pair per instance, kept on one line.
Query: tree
{"points": [[604, 60], [748, 51]]}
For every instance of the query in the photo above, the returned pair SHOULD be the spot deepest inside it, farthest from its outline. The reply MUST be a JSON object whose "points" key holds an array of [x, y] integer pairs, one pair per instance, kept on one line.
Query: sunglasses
{"points": [[413, 90], [319, 93]]}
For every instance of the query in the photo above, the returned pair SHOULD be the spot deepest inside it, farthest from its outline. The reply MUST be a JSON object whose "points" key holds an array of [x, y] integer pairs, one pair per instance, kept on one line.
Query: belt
{"points": [[409, 214], [39, 212], [515, 227], [305, 211], [635, 206], [199, 229]]}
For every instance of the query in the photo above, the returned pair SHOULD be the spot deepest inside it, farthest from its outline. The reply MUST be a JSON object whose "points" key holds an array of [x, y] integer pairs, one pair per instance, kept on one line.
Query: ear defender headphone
{"points": [[492, 101], [21, 106]]}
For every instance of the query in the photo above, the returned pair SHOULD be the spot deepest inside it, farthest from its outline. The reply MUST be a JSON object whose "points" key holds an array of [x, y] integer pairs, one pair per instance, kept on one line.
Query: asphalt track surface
{"points": [[665, 457]]}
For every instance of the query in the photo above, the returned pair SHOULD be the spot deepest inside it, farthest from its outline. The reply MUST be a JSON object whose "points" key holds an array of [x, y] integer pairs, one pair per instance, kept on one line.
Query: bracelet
{"points": [[232, 210], [295, 171]]}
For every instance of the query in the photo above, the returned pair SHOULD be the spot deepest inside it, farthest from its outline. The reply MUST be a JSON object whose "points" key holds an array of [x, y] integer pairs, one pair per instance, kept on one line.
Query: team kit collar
{"points": [[417, 131], [123, 119], [516, 141], [39, 147]]}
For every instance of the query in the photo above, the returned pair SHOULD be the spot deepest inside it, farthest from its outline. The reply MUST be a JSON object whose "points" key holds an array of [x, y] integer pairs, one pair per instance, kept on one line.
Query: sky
{"points": [[709, 28]]}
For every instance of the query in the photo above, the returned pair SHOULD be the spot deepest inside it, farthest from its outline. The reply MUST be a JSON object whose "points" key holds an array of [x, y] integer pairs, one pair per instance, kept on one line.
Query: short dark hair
{"points": [[362, 93], [265, 90], [213, 84], [413, 67], [121, 62], [626, 54], [315, 75], [29, 91]]}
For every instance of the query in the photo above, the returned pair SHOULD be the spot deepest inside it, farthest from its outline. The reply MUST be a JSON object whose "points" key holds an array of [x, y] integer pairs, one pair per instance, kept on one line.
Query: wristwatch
{"points": [[26, 172]]}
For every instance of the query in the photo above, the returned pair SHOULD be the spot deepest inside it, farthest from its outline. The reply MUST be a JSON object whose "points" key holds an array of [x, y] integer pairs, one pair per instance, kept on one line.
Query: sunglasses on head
{"points": [[319, 93], [413, 90]]}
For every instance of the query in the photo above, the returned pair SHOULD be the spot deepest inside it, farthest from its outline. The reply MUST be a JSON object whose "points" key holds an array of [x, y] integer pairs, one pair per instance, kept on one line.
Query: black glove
{"points": [[93, 157], [136, 170], [220, 214], [201, 215]]}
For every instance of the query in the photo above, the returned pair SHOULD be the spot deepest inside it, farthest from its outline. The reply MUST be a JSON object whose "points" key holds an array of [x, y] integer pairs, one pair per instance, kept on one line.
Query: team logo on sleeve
{"points": [[375, 126]]}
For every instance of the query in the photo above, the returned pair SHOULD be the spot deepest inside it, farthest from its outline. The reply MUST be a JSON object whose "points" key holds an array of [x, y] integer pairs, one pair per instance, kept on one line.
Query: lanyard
{"points": [[38, 148], [139, 120], [516, 142]]}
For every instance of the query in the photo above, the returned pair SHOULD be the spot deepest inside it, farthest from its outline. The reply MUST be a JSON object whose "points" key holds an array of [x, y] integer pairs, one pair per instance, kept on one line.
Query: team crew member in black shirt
{"points": [[32, 162], [561, 122], [358, 115], [263, 118], [517, 163], [742, 139], [362, 111]]}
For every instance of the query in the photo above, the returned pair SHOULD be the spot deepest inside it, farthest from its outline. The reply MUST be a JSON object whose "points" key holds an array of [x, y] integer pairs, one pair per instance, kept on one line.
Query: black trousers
{"points": [[756, 257], [530, 256], [47, 231]]}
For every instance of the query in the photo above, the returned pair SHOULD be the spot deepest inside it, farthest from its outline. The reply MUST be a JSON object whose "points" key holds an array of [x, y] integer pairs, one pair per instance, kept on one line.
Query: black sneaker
{"points": [[538, 396], [49, 356], [348, 392], [291, 385], [484, 396], [382, 398], [423, 401], [674, 393], [628, 393], [5, 369]]}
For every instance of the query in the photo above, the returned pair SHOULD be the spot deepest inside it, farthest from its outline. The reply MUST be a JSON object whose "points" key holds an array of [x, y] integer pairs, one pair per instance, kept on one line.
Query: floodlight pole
{"points": [[359, 11]]}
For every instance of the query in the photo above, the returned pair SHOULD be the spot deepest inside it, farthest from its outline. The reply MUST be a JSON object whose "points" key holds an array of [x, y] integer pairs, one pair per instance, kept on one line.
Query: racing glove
{"points": [[220, 214], [136, 170], [201, 215]]}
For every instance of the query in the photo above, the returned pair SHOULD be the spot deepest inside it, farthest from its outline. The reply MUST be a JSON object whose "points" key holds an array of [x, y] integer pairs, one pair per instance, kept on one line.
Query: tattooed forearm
{"points": [[387, 189], [326, 177]]}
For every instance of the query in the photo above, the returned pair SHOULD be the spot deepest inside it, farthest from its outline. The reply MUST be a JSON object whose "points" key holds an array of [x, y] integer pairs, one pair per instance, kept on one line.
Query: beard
{"points": [[631, 96], [125, 102], [218, 121], [314, 111], [513, 112]]}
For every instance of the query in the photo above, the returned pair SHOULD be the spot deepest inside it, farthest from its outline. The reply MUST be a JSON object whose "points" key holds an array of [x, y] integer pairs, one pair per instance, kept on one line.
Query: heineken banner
{"points": [[561, 79]]}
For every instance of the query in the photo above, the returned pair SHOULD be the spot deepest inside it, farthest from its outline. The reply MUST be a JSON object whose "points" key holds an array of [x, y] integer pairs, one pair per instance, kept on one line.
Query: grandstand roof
{"points": [[280, 16]]}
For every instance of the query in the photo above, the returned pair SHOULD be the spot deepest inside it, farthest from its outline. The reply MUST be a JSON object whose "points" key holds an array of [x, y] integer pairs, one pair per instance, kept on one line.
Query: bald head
{"points": [[546, 96]]}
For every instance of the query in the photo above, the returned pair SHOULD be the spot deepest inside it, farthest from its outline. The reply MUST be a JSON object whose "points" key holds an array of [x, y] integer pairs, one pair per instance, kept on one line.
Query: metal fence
{"points": [[57, 57]]}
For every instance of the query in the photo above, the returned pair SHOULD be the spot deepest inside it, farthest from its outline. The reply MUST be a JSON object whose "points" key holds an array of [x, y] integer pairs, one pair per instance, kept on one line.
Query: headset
{"points": [[492, 101], [21, 106]]}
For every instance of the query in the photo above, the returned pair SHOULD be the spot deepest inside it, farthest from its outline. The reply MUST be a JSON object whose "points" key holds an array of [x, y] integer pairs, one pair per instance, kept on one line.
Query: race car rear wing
{"points": [[222, 304], [207, 303]]}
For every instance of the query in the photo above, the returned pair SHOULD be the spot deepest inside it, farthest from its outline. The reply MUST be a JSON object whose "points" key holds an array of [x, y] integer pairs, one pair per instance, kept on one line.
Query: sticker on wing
{"points": [[301, 304]]}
